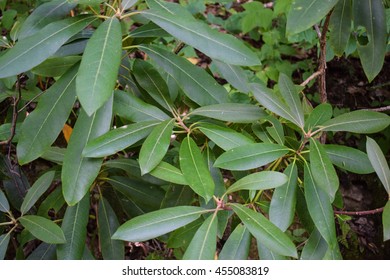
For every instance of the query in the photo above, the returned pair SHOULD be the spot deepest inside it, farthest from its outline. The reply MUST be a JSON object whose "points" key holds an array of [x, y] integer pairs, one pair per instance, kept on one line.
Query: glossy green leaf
{"points": [[44, 252], [127, 4], [182, 237], [386, 222], [237, 245], [275, 130], [259, 181], [324, 173], [195, 170], [267, 254], [27, 53], [370, 15], [272, 102], [305, 13], [43, 229], [315, 247], [195, 33], [54, 154], [42, 127], [379, 162], [108, 224], [4, 205], [43, 15], [340, 26], [224, 137], [99, 66], [250, 156], [197, 84], [4, 240], [282, 207], [37, 189], [79, 172], [169, 173], [157, 223], [231, 112], [55, 66], [291, 96], [320, 208], [360, 121], [333, 254], [152, 82], [128, 106], [155, 146], [234, 74], [118, 139], [265, 231], [74, 225], [318, 116], [177, 195], [349, 159], [53, 203], [204, 243], [148, 30]]}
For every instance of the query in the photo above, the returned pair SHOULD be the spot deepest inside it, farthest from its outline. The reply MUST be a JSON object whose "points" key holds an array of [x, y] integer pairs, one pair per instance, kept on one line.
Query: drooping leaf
{"points": [[27, 53], [238, 113], [324, 173], [118, 139], [237, 246], [340, 24], [99, 66], [55, 66], [74, 225], [259, 181], [379, 162], [370, 16], [42, 127], [282, 208], [182, 237], [43, 229], [199, 86], [349, 159], [204, 243], [386, 222], [155, 146], [79, 172], [360, 121], [250, 156], [318, 116], [157, 223], [37, 189], [234, 74], [224, 47], [44, 251], [195, 170], [306, 13], [267, 254], [315, 247], [4, 205], [108, 224], [53, 203], [169, 173], [4, 240], [265, 231]]}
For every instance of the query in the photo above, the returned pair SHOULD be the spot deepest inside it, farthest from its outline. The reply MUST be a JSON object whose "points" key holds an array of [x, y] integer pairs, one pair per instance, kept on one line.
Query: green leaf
{"points": [[128, 106], [272, 102], [291, 96], [324, 173], [340, 26], [197, 84], [157, 223], [250, 156], [265, 231], [259, 181], [118, 139], [155, 146], [169, 173], [4, 240], [267, 254], [282, 207], [305, 13], [148, 30], [315, 247], [234, 74], [177, 195], [108, 224], [55, 66], [27, 53], [349, 159], [231, 112], [204, 243], [99, 66], [35, 192], [386, 222], [182, 237], [318, 116], [79, 172], [44, 252], [195, 170], [53, 203], [237, 245], [74, 225], [370, 15], [224, 137], [127, 4], [215, 44], [360, 121], [54, 154], [379, 162], [43, 229], [4, 205], [320, 209]]}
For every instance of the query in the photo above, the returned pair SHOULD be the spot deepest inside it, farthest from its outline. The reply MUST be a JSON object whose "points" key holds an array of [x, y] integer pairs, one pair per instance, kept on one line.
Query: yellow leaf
{"points": [[67, 131], [193, 60]]}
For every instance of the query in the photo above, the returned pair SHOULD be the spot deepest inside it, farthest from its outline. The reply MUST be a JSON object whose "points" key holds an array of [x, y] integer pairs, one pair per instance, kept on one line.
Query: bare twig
{"points": [[381, 109], [312, 77], [360, 213], [322, 66]]}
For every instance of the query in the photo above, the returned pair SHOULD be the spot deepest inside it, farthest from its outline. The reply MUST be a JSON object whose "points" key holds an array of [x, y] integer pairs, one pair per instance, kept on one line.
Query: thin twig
{"points": [[381, 109], [312, 77], [360, 213], [322, 66]]}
